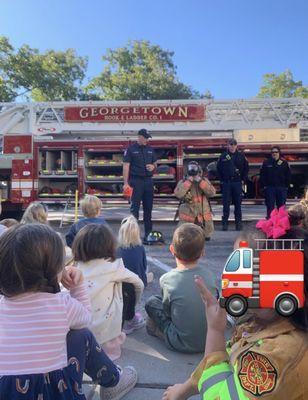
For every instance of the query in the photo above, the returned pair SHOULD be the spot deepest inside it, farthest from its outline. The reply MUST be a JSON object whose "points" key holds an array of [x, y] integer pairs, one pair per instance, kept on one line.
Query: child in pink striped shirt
{"points": [[44, 345]]}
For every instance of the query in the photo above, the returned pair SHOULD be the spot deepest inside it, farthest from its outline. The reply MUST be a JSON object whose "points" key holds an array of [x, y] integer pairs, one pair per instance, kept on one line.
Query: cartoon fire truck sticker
{"points": [[271, 276]]}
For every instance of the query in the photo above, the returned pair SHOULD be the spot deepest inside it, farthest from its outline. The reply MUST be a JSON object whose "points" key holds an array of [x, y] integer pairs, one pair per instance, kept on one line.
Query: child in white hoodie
{"points": [[94, 250]]}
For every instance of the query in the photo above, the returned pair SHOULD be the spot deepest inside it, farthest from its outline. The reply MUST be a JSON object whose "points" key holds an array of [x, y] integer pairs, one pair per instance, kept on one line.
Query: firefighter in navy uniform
{"points": [[232, 168], [139, 163], [275, 178]]}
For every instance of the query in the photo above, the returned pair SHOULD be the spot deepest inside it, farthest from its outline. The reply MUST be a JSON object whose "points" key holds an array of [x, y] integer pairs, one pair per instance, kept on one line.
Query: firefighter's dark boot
{"points": [[238, 226], [224, 225]]}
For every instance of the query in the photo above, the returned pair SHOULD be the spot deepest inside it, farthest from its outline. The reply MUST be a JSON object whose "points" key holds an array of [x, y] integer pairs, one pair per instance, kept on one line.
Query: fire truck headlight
{"points": [[225, 283]]}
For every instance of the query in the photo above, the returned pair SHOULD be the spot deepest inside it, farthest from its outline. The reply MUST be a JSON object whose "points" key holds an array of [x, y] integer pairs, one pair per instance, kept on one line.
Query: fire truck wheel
{"points": [[286, 305], [236, 306]]}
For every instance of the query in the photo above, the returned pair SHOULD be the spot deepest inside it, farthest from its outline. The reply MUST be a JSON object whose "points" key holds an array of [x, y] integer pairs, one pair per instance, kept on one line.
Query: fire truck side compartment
{"points": [[281, 271]]}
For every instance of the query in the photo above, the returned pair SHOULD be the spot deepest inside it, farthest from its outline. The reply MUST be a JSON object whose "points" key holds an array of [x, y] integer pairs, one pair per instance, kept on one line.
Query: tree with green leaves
{"points": [[282, 85], [139, 71], [49, 76]]}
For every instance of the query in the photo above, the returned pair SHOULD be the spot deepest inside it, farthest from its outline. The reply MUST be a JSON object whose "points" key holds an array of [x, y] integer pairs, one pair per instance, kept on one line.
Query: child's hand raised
{"points": [[71, 277], [215, 315]]}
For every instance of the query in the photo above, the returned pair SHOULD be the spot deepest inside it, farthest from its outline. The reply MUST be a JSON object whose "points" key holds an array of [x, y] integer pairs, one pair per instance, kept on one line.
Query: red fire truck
{"points": [[51, 149], [272, 279]]}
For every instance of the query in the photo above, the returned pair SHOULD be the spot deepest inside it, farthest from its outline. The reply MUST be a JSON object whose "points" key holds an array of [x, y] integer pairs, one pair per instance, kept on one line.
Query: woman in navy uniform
{"points": [[275, 178], [139, 164]]}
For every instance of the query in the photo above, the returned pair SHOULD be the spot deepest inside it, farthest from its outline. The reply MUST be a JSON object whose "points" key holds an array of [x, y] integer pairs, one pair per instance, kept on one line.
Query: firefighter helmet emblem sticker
{"points": [[257, 374]]}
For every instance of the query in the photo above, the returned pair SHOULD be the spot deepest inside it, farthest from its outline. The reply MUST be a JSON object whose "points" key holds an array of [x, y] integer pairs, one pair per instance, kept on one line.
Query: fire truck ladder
{"points": [[256, 277], [46, 118], [279, 244]]}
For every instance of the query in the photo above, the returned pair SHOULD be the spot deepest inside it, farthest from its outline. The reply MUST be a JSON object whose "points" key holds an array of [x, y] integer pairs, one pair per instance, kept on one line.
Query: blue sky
{"points": [[224, 45]]}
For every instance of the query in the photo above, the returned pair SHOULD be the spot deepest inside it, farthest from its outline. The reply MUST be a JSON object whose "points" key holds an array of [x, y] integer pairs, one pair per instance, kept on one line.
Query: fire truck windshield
{"points": [[233, 263]]}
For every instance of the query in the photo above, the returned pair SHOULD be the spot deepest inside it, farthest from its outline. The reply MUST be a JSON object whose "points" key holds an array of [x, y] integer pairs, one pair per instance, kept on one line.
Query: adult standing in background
{"points": [[232, 168], [194, 192], [275, 178], [139, 164]]}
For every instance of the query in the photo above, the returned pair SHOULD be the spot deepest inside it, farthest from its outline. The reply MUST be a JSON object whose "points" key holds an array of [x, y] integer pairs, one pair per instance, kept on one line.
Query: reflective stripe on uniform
{"points": [[187, 184], [186, 217], [203, 184], [196, 199], [219, 381], [208, 383]]}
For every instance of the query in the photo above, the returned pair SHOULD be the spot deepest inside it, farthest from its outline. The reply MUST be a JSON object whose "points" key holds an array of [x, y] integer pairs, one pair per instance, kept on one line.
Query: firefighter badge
{"points": [[257, 375]]}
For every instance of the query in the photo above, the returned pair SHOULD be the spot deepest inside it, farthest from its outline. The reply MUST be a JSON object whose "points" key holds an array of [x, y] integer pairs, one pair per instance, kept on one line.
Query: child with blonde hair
{"points": [[131, 249], [94, 250], [35, 213], [134, 258], [91, 209]]}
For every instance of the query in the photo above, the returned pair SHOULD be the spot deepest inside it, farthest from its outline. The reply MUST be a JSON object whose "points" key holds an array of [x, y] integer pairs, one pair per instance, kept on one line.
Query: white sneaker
{"points": [[128, 379]]}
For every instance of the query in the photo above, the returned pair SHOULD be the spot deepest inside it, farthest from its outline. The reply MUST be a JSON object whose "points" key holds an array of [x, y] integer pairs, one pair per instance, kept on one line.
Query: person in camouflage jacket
{"points": [[194, 192]]}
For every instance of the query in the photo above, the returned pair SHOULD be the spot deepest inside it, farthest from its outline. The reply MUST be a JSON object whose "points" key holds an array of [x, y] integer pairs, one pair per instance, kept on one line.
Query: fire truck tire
{"points": [[236, 305], [286, 305]]}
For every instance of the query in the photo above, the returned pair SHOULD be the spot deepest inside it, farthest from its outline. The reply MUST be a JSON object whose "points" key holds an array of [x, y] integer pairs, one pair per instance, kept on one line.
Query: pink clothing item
{"points": [[33, 329], [113, 348], [277, 225]]}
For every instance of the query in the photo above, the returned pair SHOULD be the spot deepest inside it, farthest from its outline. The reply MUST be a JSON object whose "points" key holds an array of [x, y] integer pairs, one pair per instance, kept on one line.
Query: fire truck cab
{"points": [[274, 278]]}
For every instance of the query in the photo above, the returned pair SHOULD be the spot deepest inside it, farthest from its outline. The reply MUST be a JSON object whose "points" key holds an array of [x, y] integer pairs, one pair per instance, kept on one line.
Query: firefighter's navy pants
{"points": [[275, 195], [232, 192], [142, 191]]}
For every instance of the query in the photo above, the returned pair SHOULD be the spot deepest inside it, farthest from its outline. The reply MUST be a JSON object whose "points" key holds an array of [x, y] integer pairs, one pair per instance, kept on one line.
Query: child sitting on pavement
{"points": [[45, 347], [134, 258], [94, 250], [178, 315], [131, 249], [91, 209]]}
